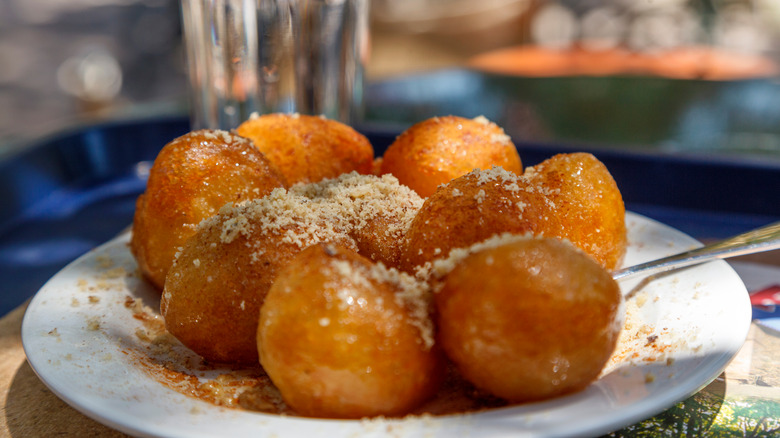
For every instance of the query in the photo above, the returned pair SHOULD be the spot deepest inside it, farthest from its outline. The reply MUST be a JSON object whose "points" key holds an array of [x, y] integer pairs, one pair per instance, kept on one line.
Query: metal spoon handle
{"points": [[761, 239]]}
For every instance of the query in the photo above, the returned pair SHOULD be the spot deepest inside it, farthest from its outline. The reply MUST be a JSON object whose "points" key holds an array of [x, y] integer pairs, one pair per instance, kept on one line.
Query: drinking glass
{"points": [[265, 56]]}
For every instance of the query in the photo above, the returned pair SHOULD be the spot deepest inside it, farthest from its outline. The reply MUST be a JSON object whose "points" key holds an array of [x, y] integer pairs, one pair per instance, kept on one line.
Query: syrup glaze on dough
{"points": [[192, 177], [439, 149], [343, 337]]}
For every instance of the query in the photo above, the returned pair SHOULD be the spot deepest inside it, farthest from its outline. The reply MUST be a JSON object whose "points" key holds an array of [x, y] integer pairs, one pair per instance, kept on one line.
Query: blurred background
{"points": [[64, 63]]}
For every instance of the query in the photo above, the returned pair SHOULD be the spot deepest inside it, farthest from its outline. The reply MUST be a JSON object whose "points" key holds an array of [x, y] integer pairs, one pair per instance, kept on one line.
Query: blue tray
{"points": [[72, 192]]}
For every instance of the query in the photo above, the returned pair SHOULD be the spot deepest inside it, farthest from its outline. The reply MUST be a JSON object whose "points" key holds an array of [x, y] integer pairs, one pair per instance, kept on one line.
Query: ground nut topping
{"points": [[328, 210]]}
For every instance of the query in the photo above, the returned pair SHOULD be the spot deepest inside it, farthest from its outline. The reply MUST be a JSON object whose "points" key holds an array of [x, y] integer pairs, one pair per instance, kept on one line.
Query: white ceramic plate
{"points": [[682, 330]]}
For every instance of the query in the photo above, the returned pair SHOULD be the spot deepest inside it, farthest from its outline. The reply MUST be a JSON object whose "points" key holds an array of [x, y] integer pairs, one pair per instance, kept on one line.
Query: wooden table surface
{"points": [[27, 407]]}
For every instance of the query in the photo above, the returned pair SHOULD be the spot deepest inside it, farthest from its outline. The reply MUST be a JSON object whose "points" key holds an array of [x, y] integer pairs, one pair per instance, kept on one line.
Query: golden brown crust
{"points": [[472, 208], [588, 203], [338, 340], [439, 149], [529, 318], [308, 149], [192, 177]]}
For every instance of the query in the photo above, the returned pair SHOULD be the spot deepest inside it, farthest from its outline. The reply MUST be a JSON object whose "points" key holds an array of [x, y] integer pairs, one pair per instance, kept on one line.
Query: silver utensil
{"points": [[761, 239]]}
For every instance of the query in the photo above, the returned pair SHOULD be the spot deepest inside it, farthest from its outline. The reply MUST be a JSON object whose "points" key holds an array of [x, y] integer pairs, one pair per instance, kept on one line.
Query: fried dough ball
{"points": [[472, 208], [214, 291], [588, 203], [215, 288], [439, 149], [342, 337], [528, 318], [192, 177], [375, 211], [309, 148]]}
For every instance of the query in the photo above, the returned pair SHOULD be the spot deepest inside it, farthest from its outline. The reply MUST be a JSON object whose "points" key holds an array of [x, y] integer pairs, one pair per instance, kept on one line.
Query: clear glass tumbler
{"points": [[264, 56]]}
